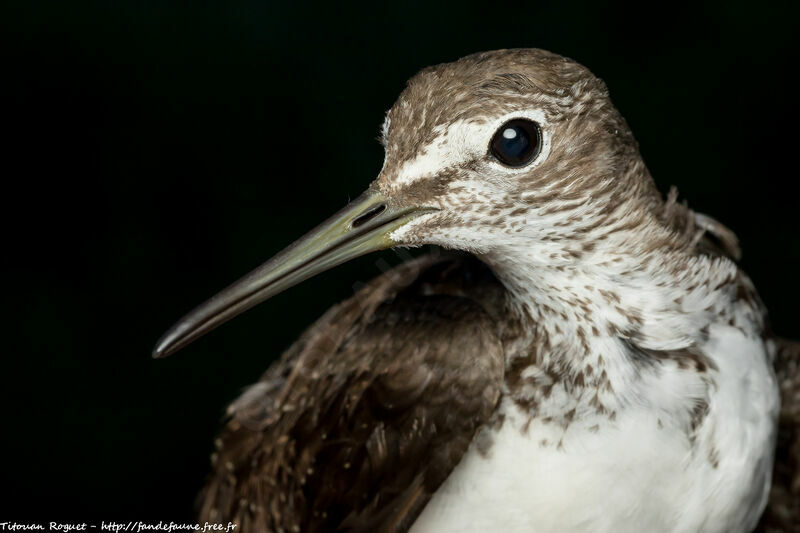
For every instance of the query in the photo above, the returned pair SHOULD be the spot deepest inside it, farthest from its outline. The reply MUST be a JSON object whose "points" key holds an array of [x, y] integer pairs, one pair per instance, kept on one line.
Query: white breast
{"points": [[630, 474]]}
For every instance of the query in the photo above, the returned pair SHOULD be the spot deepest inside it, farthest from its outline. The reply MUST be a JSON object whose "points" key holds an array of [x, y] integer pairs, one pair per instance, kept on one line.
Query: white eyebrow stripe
{"points": [[454, 144], [461, 141]]}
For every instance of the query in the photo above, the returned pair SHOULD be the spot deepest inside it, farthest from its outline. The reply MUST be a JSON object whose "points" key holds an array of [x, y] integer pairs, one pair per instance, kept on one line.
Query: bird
{"points": [[575, 352]]}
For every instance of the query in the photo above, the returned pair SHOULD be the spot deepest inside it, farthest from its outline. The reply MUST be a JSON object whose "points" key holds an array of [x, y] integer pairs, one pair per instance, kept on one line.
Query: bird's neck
{"points": [[581, 316], [612, 276]]}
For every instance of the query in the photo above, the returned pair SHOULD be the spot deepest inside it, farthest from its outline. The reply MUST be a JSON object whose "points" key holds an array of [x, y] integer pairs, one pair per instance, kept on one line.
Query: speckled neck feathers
{"points": [[591, 254]]}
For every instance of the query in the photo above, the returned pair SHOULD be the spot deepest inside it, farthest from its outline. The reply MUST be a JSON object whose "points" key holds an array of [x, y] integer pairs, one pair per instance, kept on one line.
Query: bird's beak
{"points": [[363, 226]]}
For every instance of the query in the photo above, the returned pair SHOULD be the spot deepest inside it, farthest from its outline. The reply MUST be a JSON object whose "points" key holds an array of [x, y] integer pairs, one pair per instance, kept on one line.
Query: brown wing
{"points": [[368, 413], [783, 509]]}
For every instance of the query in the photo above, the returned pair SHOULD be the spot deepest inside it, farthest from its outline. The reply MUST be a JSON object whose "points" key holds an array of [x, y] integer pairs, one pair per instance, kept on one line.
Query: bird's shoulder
{"points": [[783, 509], [367, 414]]}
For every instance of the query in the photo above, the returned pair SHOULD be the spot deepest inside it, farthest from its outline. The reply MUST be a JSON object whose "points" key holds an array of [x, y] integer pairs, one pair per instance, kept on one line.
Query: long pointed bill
{"points": [[361, 227]]}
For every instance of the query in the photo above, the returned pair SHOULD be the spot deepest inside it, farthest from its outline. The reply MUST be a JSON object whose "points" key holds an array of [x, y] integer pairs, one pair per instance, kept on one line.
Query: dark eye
{"points": [[517, 142]]}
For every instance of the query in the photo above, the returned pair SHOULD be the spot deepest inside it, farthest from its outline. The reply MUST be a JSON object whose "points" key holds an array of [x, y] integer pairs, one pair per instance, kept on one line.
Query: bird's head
{"points": [[513, 151], [507, 148]]}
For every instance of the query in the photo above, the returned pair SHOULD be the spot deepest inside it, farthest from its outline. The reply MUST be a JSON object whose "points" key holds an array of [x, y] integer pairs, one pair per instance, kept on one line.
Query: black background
{"points": [[153, 152]]}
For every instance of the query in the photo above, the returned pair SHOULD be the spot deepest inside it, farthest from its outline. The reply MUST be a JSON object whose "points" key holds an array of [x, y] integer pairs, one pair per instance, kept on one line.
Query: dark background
{"points": [[153, 152]]}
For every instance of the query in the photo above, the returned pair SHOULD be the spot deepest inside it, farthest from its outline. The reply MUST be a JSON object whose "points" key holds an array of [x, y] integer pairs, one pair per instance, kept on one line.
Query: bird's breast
{"points": [[637, 472]]}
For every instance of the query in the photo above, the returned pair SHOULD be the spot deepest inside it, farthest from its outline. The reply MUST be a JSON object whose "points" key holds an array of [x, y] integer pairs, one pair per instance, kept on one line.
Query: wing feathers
{"points": [[369, 412], [783, 508]]}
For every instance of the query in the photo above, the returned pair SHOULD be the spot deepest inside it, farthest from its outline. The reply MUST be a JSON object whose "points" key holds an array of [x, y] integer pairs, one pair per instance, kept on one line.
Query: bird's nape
{"points": [[362, 227]]}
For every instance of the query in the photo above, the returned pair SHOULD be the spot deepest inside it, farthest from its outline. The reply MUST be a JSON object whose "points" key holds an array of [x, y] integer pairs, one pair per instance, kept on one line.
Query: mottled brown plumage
{"points": [[367, 414], [783, 510], [297, 456]]}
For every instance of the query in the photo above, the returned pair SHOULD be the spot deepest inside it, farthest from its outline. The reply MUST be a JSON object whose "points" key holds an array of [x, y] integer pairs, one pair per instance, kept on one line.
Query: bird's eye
{"points": [[517, 142]]}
